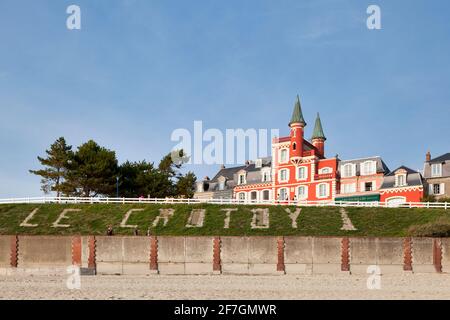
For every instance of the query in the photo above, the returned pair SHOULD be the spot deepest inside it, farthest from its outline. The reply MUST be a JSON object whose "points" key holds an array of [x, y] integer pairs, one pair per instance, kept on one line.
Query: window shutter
{"points": [[442, 188], [430, 189]]}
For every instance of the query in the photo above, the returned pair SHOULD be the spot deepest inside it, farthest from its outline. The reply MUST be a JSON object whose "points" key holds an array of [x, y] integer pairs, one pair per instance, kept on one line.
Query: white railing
{"points": [[80, 200]]}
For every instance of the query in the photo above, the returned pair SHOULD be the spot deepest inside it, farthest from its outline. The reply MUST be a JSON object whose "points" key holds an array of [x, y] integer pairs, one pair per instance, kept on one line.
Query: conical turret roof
{"points": [[318, 130], [297, 115]]}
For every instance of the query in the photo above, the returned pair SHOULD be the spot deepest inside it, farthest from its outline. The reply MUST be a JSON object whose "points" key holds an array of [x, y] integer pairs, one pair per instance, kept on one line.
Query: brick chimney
{"points": [[428, 157]]}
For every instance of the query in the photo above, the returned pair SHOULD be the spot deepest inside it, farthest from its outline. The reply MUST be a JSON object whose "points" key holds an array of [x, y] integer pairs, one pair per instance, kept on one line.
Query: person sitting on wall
{"points": [[109, 231], [149, 233], [136, 231]]}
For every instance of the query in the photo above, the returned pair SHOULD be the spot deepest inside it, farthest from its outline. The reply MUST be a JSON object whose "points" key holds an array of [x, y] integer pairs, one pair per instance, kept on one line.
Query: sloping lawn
{"points": [[313, 221]]}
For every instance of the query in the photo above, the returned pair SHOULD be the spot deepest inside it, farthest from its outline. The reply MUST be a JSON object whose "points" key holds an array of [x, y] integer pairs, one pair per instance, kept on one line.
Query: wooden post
{"points": [[14, 249], [345, 254], [217, 262], [76, 251], [407, 254], [92, 254], [153, 254], [281, 267], [437, 255]]}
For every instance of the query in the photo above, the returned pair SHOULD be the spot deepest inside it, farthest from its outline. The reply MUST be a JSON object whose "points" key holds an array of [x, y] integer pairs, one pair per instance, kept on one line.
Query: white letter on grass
{"points": [[28, 218], [124, 224], [63, 216]]}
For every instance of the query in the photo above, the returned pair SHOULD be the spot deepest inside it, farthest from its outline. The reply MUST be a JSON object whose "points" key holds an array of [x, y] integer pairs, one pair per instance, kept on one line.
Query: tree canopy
{"points": [[55, 166], [93, 171]]}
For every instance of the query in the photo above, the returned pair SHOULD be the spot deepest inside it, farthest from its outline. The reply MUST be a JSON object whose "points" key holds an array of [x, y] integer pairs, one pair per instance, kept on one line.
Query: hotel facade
{"points": [[299, 171]]}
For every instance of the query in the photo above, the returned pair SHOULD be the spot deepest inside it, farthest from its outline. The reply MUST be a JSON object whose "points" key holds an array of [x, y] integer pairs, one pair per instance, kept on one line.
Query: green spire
{"points": [[318, 131], [297, 115]]}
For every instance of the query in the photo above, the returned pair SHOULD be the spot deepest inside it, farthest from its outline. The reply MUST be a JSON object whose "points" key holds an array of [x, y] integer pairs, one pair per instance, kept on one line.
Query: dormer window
{"points": [[400, 180], [258, 163], [368, 168], [348, 170], [222, 183], [265, 175], [436, 170], [241, 179]]}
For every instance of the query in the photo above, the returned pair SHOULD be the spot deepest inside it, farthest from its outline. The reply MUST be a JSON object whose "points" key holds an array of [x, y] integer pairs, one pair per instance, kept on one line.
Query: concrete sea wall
{"points": [[226, 255]]}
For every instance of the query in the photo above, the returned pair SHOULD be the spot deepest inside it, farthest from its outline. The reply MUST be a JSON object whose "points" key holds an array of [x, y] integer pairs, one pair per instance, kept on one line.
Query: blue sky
{"points": [[138, 69]]}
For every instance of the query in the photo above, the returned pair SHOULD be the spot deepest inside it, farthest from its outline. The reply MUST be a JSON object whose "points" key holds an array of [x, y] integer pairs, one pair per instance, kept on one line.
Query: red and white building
{"points": [[299, 171], [402, 185]]}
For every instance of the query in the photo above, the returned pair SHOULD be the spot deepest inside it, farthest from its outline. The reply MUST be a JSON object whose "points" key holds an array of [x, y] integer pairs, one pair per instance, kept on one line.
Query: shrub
{"points": [[438, 228]]}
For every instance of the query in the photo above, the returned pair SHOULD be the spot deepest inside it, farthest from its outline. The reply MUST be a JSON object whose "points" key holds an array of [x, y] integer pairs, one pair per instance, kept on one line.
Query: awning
{"points": [[361, 198]]}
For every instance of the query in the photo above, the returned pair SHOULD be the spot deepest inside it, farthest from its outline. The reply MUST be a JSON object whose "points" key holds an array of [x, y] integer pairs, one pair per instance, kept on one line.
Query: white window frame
{"points": [[327, 190], [262, 195], [298, 173], [371, 170], [281, 155], [329, 169], [441, 187], [438, 186], [287, 175], [244, 180], [305, 196], [436, 169], [363, 186], [286, 194], [352, 170], [266, 172], [397, 178], [242, 194], [347, 188]]}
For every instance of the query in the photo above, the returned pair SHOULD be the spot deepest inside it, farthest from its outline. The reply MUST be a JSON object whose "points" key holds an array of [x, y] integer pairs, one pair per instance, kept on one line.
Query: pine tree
{"points": [[185, 186], [92, 171], [56, 164]]}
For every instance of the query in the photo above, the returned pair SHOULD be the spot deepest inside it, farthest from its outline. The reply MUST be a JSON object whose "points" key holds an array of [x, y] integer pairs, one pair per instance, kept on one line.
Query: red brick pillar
{"points": [[407, 254], [217, 264], [76, 251], [92, 253], [437, 255], [14, 256], [281, 267], [154, 254], [345, 254]]}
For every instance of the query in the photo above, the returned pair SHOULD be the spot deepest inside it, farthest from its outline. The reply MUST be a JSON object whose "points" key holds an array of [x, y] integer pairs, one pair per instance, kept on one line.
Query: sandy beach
{"points": [[416, 286]]}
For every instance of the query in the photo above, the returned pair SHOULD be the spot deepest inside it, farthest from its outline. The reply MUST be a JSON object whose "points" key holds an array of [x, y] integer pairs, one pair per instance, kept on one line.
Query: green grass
{"points": [[313, 221]]}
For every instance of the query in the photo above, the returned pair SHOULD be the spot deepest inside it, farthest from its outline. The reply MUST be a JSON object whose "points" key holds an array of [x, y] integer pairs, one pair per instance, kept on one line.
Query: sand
{"points": [[407, 286]]}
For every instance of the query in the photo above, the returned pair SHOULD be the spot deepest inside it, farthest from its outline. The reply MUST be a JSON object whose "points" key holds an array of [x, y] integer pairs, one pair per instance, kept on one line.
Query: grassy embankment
{"points": [[325, 221]]}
